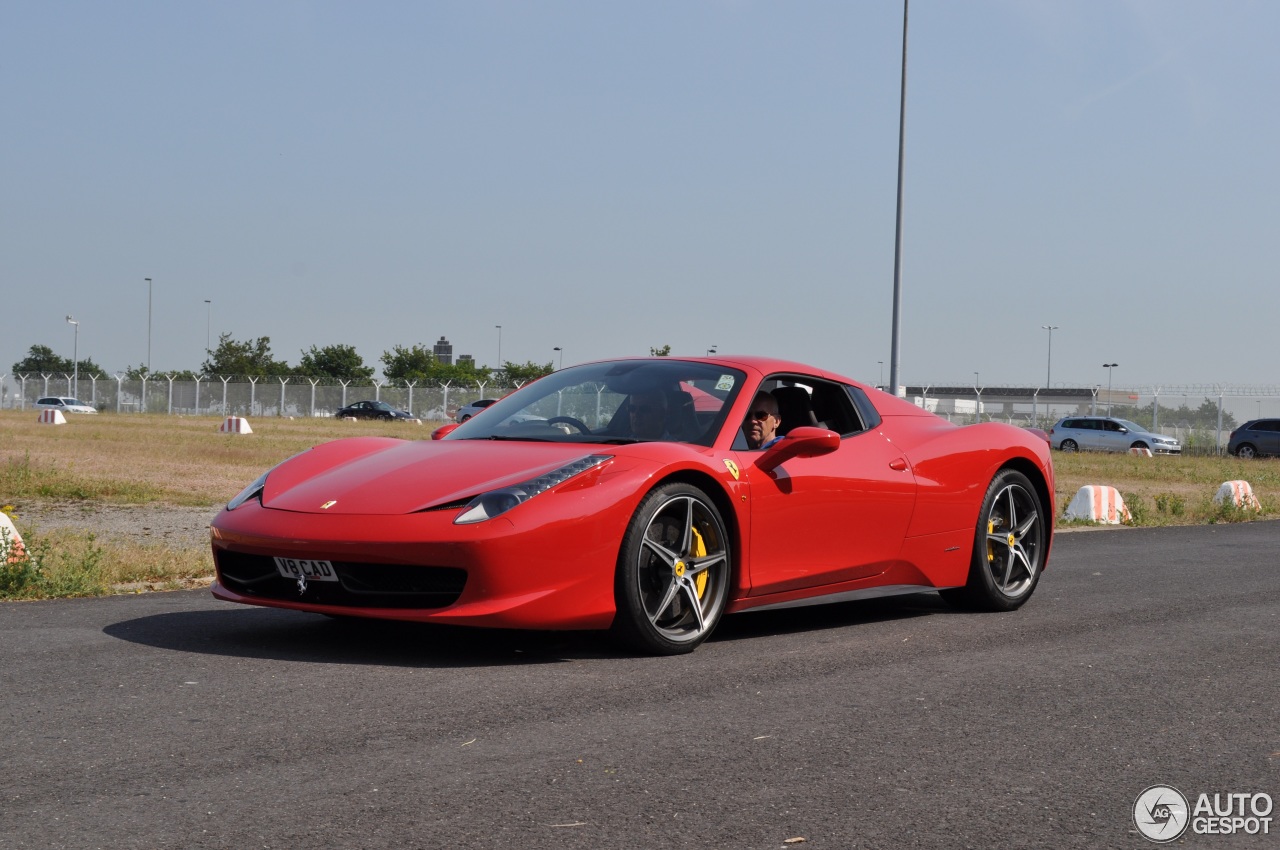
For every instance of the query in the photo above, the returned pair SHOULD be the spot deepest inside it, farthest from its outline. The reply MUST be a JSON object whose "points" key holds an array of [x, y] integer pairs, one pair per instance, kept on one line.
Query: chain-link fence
{"points": [[1200, 416], [238, 397]]}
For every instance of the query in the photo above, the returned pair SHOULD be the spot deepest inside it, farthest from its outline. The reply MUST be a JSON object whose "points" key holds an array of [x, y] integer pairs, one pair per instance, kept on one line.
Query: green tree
{"points": [[523, 373], [334, 361], [664, 351], [416, 363], [251, 358], [41, 360]]}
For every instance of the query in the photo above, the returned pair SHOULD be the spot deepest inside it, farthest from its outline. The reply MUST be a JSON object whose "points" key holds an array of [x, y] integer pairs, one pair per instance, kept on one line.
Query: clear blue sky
{"points": [[608, 177]]}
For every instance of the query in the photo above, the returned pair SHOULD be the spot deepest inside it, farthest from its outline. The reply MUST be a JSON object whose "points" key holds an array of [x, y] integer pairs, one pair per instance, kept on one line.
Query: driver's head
{"points": [[648, 411]]}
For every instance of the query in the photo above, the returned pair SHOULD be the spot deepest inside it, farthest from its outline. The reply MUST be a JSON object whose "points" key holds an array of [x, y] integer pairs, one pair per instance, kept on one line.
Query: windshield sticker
{"points": [[725, 383]]}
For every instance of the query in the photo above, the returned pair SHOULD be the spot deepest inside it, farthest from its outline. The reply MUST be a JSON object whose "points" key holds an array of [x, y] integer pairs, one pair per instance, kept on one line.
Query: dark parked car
{"points": [[373, 410], [1256, 438]]}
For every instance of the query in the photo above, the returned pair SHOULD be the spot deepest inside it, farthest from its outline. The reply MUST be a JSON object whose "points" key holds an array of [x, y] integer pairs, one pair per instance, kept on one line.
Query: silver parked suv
{"points": [[1107, 434]]}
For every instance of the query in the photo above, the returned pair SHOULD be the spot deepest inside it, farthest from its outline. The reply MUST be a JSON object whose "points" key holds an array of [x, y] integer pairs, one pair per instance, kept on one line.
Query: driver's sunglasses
{"points": [[760, 415]]}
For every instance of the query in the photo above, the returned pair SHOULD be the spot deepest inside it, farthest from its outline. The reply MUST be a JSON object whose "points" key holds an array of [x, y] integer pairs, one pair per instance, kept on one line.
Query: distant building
{"points": [[444, 352], [466, 360]]}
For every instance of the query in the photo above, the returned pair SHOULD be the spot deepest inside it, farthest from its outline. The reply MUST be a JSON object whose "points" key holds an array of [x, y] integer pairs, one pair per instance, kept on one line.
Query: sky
{"points": [[611, 177]]}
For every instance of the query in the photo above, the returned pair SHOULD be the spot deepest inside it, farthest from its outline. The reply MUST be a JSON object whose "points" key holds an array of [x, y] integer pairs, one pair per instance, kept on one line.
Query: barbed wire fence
{"points": [[301, 396]]}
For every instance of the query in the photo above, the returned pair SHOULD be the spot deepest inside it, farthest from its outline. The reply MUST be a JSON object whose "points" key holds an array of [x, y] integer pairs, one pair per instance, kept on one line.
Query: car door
{"points": [[836, 517], [1269, 437]]}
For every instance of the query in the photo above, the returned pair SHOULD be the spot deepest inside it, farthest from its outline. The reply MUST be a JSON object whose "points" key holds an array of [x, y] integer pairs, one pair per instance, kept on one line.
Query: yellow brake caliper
{"points": [[699, 550], [991, 528]]}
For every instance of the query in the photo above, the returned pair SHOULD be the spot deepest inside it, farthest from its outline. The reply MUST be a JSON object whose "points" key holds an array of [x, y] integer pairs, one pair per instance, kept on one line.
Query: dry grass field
{"points": [[113, 502]]}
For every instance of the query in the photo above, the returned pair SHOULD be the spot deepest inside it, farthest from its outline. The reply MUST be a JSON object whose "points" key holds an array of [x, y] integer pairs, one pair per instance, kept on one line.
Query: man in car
{"points": [[761, 427]]}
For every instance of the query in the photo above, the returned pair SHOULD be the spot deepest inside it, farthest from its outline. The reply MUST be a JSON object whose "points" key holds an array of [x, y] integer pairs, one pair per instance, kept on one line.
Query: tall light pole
{"points": [[1109, 367], [895, 351], [75, 357], [1048, 369], [881, 364], [148, 280], [712, 350], [499, 327], [561, 350], [208, 324]]}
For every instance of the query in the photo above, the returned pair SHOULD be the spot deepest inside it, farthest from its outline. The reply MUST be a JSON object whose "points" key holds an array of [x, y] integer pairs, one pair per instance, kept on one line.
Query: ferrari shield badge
{"points": [[732, 467]]}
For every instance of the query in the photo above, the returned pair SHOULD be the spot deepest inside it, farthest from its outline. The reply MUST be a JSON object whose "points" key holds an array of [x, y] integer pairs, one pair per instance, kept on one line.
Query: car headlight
{"points": [[496, 502], [251, 492]]}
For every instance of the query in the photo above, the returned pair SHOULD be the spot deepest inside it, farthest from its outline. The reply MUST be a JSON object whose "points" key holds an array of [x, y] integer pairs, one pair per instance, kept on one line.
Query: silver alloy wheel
{"points": [[1013, 540], [1246, 452], [682, 569], [1068, 446]]}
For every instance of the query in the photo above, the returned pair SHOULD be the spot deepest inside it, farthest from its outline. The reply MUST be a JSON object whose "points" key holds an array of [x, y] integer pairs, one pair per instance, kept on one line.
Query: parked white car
{"points": [[64, 403]]}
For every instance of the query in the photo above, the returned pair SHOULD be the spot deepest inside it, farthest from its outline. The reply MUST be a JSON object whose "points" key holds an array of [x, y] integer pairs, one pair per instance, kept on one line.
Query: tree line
{"points": [[251, 358]]}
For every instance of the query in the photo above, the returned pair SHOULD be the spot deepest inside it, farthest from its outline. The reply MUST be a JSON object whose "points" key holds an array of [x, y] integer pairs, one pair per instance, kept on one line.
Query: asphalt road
{"points": [[174, 721]]}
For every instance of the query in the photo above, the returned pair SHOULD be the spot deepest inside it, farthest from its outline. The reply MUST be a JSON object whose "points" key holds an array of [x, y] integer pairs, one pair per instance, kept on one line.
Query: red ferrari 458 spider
{"points": [[628, 495]]}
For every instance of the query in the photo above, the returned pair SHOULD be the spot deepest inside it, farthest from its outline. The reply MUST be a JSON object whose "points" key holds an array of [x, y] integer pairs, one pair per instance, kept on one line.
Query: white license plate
{"points": [[313, 570]]}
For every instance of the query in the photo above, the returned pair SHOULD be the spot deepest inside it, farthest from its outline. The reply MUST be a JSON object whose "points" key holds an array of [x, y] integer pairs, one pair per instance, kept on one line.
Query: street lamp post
{"points": [[880, 363], [208, 324], [712, 350], [1048, 368], [1109, 367], [561, 350], [75, 358], [499, 327], [148, 280]]}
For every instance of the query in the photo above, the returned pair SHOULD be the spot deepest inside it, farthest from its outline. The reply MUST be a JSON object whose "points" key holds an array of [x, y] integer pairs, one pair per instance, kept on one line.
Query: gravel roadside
{"points": [[169, 525]]}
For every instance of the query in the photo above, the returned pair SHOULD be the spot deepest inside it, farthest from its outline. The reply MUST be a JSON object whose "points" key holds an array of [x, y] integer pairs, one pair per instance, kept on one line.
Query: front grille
{"points": [[359, 585]]}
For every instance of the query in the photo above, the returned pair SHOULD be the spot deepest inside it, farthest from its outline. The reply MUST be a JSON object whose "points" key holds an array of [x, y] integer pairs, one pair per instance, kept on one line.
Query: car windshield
{"points": [[621, 401]]}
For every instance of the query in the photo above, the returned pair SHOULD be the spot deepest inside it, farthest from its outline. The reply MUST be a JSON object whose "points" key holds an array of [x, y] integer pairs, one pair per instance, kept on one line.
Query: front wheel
{"points": [[672, 582], [1008, 547]]}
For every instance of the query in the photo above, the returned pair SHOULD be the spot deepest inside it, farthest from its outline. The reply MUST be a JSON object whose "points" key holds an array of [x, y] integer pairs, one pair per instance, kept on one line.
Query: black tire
{"points": [[674, 569], [1008, 547], [465, 418], [1069, 446], [1246, 451], [1139, 445]]}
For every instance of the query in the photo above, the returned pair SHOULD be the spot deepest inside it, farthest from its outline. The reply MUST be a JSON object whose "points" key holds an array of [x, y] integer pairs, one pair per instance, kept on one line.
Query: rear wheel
{"points": [[1008, 548], [672, 582], [1246, 452], [1069, 446]]}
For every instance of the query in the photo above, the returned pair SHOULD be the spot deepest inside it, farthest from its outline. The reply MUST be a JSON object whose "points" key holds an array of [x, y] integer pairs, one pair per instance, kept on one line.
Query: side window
{"points": [[1269, 425], [803, 400]]}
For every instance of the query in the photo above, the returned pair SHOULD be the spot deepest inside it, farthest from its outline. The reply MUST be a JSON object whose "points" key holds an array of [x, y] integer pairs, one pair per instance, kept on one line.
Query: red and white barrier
{"points": [[12, 549], [52, 417], [1239, 493], [1099, 503], [235, 425], [1140, 452]]}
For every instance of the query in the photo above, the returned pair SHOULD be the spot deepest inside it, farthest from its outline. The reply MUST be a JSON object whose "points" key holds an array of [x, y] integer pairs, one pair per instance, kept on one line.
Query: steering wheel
{"points": [[569, 420]]}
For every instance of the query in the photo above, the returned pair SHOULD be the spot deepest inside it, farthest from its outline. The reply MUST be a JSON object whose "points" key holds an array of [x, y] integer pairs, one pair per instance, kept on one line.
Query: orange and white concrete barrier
{"points": [[1239, 493], [12, 549], [235, 425], [52, 417], [1140, 452], [1099, 503]]}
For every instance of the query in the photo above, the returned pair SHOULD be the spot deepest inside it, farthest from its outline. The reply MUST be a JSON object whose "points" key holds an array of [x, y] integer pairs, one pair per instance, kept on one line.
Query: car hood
{"points": [[387, 476]]}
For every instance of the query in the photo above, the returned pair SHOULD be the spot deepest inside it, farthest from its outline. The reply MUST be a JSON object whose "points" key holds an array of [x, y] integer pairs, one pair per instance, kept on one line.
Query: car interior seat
{"points": [[795, 408]]}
